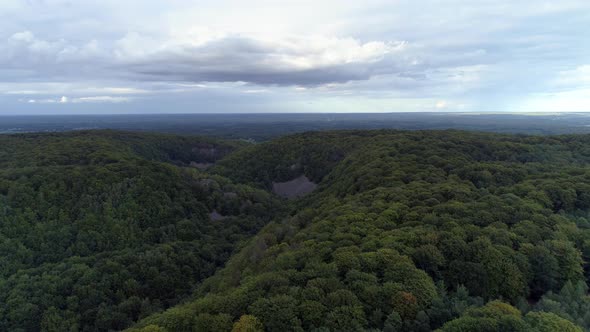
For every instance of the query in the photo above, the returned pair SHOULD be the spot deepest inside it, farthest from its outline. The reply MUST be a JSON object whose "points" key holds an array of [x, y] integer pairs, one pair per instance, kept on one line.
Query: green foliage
{"points": [[248, 323], [549, 322], [407, 231], [494, 316], [498, 316], [212, 323], [100, 229], [153, 328], [571, 303], [279, 313], [393, 323]]}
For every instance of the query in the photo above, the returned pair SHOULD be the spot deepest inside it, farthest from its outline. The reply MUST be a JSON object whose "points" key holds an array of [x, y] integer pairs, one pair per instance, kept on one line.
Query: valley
{"points": [[403, 231]]}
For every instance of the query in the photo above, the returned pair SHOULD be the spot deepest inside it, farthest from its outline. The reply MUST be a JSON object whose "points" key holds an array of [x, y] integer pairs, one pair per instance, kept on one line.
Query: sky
{"points": [[224, 56]]}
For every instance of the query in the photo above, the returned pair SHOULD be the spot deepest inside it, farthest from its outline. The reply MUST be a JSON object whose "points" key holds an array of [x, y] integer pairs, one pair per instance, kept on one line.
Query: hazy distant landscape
{"points": [[261, 127]]}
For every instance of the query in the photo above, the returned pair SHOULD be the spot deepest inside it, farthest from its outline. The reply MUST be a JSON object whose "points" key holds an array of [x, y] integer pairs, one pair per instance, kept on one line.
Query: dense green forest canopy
{"points": [[406, 231], [99, 229]]}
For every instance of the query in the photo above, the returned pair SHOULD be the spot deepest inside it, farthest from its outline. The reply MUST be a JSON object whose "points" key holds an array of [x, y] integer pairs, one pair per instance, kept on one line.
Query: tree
{"points": [[152, 328], [393, 323], [544, 268], [346, 318], [277, 313], [54, 321], [405, 304], [550, 322], [495, 316], [248, 323], [212, 323]]}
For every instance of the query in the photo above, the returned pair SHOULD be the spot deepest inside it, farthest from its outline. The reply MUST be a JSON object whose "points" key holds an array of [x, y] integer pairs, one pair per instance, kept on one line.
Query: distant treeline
{"points": [[263, 127]]}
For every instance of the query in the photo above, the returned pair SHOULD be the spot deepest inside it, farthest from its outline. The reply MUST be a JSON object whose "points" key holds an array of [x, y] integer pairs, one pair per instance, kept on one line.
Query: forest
{"points": [[406, 231], [100, 229]]}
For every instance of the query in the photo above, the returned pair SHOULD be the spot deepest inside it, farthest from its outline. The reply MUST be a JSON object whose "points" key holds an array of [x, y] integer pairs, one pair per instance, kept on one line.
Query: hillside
{"points": [[100, 229], [408, 231], [405, 231]]}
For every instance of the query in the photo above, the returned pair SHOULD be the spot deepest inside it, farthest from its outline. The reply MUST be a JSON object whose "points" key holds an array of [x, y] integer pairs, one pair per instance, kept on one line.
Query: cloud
{"points": [[256, 91], [579, 76], [440, 104], [398, 55], [292, 60], [101, 99], [65, 100], [61, 88], [233, 58]]}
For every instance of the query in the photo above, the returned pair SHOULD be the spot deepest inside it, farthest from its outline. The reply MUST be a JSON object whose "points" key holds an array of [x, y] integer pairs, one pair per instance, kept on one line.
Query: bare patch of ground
{"points": [[216, 216], [201, 166], [295, 188]]}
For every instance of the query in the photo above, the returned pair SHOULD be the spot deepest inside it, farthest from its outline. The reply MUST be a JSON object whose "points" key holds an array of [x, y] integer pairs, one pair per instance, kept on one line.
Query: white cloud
{"points": [[441, 104], [101, 99], [91, 99], [57, 88], [302, 60], [256, 91], [40, 101], [222, 57], [407, 55], [579, 76]]}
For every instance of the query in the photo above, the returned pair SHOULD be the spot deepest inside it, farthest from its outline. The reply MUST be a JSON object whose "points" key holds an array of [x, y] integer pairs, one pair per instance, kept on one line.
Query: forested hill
{"points": [[99, 229], [407, 231], [106, 146]]}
